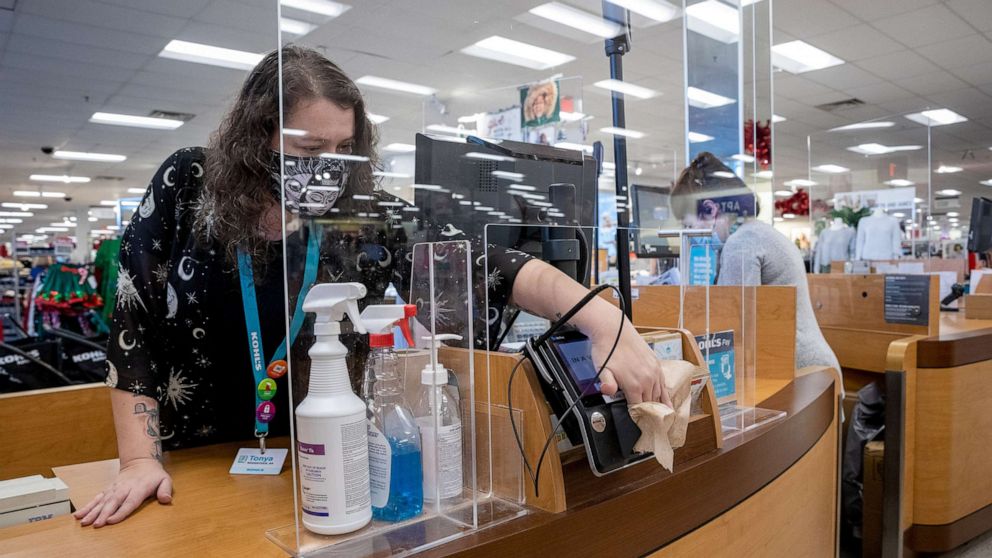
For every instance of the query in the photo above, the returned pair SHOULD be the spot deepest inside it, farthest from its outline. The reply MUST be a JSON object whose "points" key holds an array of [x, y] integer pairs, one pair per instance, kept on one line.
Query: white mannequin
{"points": [[835, 244], [879, 237]]}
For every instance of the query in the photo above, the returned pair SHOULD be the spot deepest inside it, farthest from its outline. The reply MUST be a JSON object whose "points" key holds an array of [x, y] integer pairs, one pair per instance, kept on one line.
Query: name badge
{"points": [[251, 461]]}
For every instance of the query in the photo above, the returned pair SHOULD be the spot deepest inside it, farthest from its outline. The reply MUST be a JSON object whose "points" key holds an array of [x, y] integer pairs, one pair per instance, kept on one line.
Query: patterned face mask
{"points": [[311, 184]]}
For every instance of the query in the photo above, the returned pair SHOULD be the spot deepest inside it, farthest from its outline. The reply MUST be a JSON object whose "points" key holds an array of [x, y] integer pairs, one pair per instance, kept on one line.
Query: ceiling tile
{"points": [[976, 75], [843, 77], [106, 15], [797, 87], [177, 8], [964, 51], [869, 11], [898, 65], [936, 82], [877, 92], [855, 43], [82, 34], [975, 12], [810, 19], [970, 102], [922, 27], [76, 53]]}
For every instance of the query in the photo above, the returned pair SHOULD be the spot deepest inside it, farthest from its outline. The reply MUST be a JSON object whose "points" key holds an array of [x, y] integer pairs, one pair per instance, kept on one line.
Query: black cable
{"points": [[535, 475], [44, 365]]}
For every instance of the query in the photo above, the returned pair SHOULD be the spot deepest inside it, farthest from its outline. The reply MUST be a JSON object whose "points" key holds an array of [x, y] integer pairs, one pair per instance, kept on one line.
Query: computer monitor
{"points": [[980, 229], [651, 212], [473, 183]]}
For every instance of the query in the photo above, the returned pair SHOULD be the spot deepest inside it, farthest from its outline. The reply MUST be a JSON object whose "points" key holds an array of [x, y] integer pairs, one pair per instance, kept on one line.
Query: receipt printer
{"points": [[568, 376]]}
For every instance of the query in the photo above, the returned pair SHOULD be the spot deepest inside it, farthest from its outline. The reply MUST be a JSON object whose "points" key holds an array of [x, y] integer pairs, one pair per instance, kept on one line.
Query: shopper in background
{"points": [[753, 252], [179, 357]]}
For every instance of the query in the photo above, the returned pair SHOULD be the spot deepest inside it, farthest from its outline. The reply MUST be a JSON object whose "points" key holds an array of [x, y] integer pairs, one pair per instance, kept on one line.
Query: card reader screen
{"points": [[576, 354]]}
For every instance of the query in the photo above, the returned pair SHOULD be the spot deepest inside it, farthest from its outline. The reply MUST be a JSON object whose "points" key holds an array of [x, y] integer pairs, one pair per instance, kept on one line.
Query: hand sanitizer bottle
{"points": [[440, 420], [395, 476], [331, 427]]}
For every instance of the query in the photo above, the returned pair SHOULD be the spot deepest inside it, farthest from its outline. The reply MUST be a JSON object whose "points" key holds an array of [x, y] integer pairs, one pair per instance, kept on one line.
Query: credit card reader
{"points": [[567, 374]]}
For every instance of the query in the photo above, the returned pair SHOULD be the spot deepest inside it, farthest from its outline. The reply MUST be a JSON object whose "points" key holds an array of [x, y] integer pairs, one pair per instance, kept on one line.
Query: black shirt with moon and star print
{"points": [[179, 335]]}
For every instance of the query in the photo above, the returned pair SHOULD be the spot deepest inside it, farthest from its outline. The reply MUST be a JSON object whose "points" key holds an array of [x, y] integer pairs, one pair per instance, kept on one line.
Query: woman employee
{"points": [[209, 229]]}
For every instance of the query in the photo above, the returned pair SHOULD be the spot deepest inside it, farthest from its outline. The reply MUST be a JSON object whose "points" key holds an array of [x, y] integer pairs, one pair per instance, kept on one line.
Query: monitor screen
{"points": [[980, 229], [651, 212]]}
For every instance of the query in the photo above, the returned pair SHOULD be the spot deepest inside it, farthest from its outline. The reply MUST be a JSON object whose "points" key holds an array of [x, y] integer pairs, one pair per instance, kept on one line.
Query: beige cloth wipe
{"points": [[662, 427]]}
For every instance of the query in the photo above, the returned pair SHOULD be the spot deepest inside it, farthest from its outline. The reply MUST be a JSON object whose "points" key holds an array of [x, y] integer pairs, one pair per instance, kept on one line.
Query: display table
{"points": [[770, 492]]}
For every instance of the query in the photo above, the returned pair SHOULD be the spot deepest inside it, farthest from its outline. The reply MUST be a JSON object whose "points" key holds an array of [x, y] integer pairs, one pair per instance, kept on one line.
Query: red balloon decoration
{"points": [[797, 204], [758, 141]]}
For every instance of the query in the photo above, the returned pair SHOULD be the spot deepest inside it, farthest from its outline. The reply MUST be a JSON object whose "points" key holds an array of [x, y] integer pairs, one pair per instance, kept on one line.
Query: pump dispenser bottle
{"points": [[332, 437], [440, 420], [395, 475]]}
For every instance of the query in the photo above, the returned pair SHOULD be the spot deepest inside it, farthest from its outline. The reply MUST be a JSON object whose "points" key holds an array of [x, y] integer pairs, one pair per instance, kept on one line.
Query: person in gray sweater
{"points": [[753, 252]]}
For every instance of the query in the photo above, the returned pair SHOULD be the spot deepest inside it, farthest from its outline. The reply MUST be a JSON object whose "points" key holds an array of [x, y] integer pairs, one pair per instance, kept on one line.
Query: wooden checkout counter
{"points": [[769, 492], [937, 487]]}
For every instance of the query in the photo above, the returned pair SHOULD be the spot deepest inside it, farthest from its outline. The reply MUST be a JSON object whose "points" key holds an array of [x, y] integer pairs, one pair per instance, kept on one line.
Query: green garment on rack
{"points": [[106, 262]]}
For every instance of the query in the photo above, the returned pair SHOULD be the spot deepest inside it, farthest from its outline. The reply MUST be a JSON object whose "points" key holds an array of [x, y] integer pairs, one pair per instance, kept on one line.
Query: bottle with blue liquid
{"points": [[395, 471]]}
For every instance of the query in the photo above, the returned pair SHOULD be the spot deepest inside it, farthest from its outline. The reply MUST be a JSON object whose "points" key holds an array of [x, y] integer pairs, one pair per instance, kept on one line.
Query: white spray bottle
{"points": [[332, 437]]}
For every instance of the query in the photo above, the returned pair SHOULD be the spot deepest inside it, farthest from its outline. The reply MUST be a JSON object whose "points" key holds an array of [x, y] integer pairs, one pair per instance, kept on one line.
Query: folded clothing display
{"points": [[662, 427]]}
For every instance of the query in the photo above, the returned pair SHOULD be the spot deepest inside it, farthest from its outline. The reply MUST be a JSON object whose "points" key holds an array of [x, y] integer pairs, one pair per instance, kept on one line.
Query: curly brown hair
{"points": [[237, 186]]}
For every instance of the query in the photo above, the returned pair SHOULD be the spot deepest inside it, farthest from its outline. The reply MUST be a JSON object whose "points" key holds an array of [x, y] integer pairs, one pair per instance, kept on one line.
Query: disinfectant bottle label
{"points": [[355, 459], [380, 461], [442, 455], [313, 477]]}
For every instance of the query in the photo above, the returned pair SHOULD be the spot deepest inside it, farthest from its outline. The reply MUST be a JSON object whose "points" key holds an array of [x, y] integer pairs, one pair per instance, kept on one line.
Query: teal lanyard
{"points": [[255, 347]]}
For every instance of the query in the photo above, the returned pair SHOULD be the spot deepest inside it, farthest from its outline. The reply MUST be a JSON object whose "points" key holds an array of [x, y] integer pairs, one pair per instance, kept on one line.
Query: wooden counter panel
{"points": [[861, 350], [963, 347], [792, 516], [659, 507], [953, 468]]}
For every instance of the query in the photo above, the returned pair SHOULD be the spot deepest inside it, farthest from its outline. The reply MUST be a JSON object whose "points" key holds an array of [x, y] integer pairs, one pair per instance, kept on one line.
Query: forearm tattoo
{"points": [[151, 427]]}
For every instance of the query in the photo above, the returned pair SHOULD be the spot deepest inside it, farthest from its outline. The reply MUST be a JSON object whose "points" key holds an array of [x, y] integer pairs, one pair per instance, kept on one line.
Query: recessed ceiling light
{"points": [[443, 129], [899, 182], [210, 55], [509, 51], [936, 117], [624, 132], [658, 10], [800, 182], [715, 20], [948, 192], [115, 119], [777, 219], [798, 57], [700, 98], [863, 126], [376, 118], [66, 179], [917, 200], [24, 206], [696, 137], [400, 148], [831, 168], [16, 214], [33, 194], [488, 156], [763, 174], [626, 88], [129, 203], [743, 157], [135, 190], [295, 26], [578, 19], [574, 146], [721, 174], [571, 116], [879, 149], [84, 156], [789, 215], [952, 213], [899, 214], [322, 7], [395, 85], [947, 169], [109, 203], [92, 219], [776, 119], [784, 193], [986, 182]]}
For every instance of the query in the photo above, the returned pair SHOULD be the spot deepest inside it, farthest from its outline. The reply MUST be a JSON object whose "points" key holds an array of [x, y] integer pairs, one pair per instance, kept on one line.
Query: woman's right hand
{"points": [[137, 481]]}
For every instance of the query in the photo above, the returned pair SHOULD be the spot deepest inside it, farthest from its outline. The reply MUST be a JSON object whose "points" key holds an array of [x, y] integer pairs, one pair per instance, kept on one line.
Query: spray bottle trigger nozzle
{"points": [[409, 312]]}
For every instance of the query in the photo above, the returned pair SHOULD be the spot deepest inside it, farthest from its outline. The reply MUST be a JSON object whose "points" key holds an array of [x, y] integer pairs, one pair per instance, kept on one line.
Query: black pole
{"points": [[615, 49]]}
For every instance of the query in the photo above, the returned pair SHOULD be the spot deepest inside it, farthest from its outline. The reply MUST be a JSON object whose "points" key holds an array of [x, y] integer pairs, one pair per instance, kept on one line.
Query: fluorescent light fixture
{"points": [[489, 156], [798, 57], [524, 187], [696, 137], [509, 51], [715, 20], [507, 175], [863, 126], [211, 55], [295, 26], [11, 221], [16, 214], [115, 119], [700, 98], [879, 149], [800, 182], [658, 10], [63, 224], [129, 203], [899, 182], [84, 156], [32, 194], [936, 117], [952, 213], [986, 182], [109, 203], [949, 192], [831, 168], [917, 200], [763, 174], [51, 229], [24, 206], [776, 119], [624, 132], [135, 190], [388, 174], [567, 116], [376, 118], [322, 7], [425, 186], [899, 214], [66, 179], [789, 215], [443, 129], [395, 85], [718, 174], [92, 219], [947, 169], [743, 157], [574, 146], [294, 132], [471, 118], [400, 148], [783, 193], [578, 19], [626, 88], [777, 219]]}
